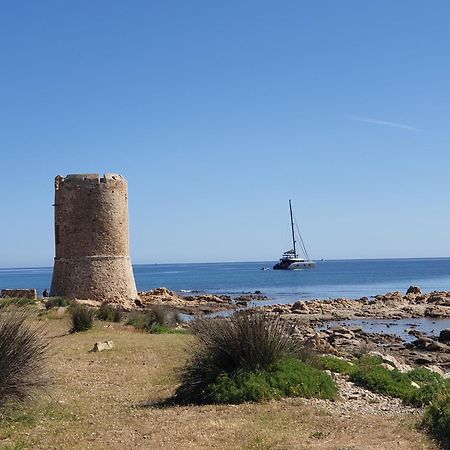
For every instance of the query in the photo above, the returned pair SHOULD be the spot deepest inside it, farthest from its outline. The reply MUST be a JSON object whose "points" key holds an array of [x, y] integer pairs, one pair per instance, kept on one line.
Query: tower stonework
{"points": [[91, 239]]}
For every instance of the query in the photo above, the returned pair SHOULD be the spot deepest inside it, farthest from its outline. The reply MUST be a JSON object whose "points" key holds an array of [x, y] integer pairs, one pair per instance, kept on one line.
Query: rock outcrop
{"points": [[190, 304]]}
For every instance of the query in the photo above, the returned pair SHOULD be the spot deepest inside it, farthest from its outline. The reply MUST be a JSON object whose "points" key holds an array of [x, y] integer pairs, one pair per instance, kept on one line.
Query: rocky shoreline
{"points": [[199, 303], [311, 319], [393, 305]]}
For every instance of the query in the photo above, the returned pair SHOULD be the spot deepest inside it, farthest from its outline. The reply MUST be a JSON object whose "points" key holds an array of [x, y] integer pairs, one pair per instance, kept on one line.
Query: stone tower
{"points": [[91, 239]]}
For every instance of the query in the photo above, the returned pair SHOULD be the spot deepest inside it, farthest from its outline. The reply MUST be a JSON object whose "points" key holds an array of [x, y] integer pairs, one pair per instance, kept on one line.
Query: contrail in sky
{"points": [[385, 123]]}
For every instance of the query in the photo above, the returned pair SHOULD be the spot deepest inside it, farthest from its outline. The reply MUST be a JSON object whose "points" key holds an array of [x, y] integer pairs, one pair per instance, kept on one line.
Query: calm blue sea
{"points": [[337, 278]]}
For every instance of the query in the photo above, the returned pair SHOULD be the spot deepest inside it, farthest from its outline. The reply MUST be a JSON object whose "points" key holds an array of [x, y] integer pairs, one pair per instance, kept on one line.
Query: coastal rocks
{"points": [[190, 304], [414, 290], [19, 293], [321, 346], [392, 305], [251, 297], [444, 335], [391, 361], [438, 347], [437, 311]]}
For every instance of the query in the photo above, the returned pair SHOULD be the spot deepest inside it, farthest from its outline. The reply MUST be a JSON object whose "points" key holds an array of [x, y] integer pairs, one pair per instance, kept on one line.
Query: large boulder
{"points": [[388, 359], [438, 347], [444, 335], [414, 290]]}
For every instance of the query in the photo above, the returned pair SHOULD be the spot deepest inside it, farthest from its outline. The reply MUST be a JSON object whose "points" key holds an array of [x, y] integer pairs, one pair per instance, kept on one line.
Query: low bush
{"points": [[23, 351], [336, 365], [248, 357], [156, 320], [289, 377], [369, 373], [437, 418], [16, 302], [82, 318], [54, 302], [107, 312]]}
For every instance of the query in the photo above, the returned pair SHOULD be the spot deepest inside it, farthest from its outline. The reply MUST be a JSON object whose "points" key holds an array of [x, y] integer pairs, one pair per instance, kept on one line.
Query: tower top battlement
{"points": [[79, 179]]}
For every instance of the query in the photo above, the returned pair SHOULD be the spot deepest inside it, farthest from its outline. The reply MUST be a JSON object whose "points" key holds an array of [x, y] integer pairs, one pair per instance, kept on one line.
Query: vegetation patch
{"points": [[369, 373], [248, 357], [155, 320], [337, 365], [107, 312], [16, 302], [82, 318], [23, 351], [437, 418], [289, 377], [56, 302]]}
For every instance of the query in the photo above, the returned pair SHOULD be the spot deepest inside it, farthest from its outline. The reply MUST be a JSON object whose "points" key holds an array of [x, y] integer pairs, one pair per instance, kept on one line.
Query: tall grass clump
{"points": [[23, 351], [248, 357], [16, 302], [107, 312], [82, 318]]}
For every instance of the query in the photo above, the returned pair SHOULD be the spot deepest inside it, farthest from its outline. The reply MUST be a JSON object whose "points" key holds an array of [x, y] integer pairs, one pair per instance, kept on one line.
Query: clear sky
{"points": [[218, 112]]}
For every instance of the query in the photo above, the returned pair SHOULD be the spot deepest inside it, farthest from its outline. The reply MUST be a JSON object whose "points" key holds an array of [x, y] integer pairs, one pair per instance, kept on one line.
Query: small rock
{"points": [[423, 359], [100, 346]]}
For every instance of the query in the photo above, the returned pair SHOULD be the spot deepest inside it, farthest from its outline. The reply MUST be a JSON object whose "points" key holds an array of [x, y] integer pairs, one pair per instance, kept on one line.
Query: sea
{"points": [[330, 279]]}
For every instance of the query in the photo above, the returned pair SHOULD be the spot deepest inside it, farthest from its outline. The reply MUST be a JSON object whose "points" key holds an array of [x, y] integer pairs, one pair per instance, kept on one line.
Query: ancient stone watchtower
{"points": [[91, 239]]}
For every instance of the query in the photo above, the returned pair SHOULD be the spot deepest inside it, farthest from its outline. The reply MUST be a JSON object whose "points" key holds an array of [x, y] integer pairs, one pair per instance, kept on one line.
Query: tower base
{"points": [[100, 278]]}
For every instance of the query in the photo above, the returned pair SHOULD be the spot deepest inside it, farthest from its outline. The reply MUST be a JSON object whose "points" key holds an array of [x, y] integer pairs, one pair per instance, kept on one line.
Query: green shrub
{"points": [[82, 318], [394, 383], [232, 351], [23, 351], [437, 417], [155, 320], [16, 302], [107, 312], [54, 302], [164, 329], [336, 365], [287, 378], [369, 373]]}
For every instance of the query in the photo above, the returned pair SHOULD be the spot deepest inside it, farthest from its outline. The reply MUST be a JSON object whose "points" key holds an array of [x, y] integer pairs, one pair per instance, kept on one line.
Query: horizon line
{"points": [[254, 261]]}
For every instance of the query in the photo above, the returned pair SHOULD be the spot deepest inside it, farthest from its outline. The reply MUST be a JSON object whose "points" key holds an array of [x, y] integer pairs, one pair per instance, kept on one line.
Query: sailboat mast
{"points": [[292, 228]]}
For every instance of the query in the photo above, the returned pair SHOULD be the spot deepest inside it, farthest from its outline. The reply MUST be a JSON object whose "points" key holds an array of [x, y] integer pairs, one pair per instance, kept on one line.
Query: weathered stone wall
{"points": [[91, 239], [19, 293]]}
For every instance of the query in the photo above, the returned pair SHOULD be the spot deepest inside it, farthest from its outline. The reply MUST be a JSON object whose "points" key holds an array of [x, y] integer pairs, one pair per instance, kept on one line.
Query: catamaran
{"points": [[290, 259]]}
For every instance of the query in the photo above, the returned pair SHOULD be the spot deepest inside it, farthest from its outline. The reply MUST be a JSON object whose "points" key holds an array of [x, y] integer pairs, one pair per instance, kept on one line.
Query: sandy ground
{"points": [[101, 401]]}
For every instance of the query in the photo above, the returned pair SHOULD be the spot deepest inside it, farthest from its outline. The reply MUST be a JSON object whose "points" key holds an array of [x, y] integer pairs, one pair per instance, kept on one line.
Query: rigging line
{"points": [[301, 240]]}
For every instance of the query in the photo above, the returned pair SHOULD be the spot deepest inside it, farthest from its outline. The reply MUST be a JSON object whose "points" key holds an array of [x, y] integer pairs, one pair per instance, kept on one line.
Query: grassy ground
{"points": [[101, 400]]}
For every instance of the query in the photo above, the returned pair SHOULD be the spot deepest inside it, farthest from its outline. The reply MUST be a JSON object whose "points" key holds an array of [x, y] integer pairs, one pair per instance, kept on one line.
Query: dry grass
{"points": [[98, 402]]}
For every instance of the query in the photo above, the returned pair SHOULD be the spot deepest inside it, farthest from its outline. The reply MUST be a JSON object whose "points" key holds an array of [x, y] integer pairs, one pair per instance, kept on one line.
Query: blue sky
{"points": [[219, 112]]}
